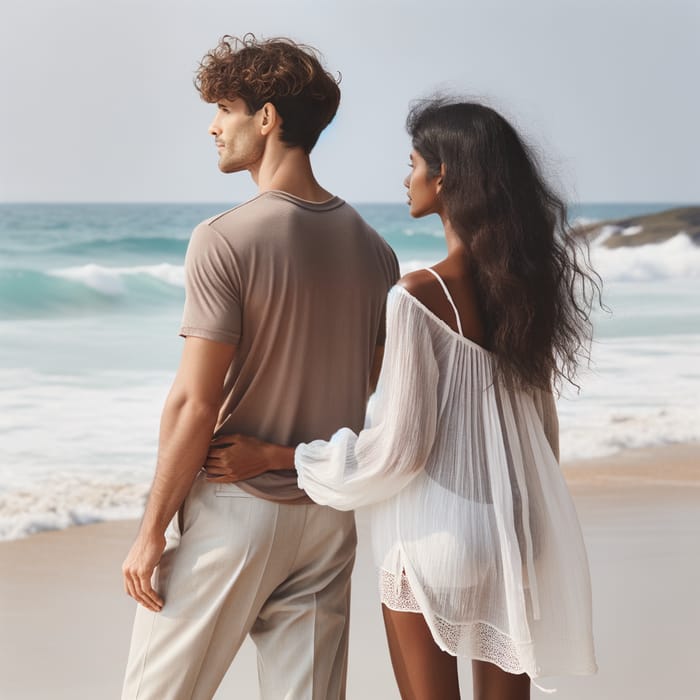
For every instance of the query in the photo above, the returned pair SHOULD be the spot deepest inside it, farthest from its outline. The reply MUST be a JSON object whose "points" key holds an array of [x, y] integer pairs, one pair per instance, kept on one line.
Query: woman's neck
{"points": [[455, 245]]}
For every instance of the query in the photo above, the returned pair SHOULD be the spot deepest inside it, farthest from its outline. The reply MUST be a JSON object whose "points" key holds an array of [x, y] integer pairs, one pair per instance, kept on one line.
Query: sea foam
{"points": [[110, 280], [58, 503], [678, 257], [87, 289], [639, 392]]}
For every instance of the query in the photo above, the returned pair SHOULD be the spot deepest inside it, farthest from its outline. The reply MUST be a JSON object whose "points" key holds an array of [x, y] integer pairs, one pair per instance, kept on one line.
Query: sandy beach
{"points": [[65, 621]]}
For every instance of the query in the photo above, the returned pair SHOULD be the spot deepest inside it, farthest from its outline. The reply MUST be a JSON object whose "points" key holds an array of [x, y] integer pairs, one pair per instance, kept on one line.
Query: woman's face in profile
{"points": [[422, 187]]}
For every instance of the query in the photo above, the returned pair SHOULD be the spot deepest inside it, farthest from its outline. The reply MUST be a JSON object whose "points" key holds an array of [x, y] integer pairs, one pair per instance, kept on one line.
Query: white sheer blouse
{"points": [[472, 522]]}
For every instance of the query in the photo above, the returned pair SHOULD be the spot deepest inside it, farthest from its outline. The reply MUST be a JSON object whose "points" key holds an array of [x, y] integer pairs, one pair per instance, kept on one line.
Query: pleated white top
{"points": [[468, 504]]}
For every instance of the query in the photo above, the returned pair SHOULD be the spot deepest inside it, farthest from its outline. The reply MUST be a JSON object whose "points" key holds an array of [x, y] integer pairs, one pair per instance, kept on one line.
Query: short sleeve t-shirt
{"points": [[300, 288]]}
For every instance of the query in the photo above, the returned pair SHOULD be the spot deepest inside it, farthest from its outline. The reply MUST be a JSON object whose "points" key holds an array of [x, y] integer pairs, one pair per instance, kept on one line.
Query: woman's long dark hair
{"points": [[535, 288]]}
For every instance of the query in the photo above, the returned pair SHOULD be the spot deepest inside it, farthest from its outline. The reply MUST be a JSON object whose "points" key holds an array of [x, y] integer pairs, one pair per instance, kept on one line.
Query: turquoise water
{"points": [[90, 303]]}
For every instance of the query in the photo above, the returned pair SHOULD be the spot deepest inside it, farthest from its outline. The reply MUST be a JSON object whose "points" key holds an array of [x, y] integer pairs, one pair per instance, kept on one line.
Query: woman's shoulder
{"points": [[417, 282], [424, 292], [454, 286], [420, 284], [423, 286]]}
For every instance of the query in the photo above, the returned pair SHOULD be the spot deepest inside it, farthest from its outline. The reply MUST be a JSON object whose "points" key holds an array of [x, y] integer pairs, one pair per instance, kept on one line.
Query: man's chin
{"points": [[230, 167]]}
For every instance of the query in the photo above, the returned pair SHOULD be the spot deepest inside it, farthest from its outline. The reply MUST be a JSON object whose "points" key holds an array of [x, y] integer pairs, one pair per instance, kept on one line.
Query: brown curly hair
{"points": [[279, 71]]}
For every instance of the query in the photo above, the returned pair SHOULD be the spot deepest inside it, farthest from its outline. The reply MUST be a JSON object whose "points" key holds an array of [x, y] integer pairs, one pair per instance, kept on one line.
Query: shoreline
{"points": [[676, 464], [673, 465], [63, 609]]}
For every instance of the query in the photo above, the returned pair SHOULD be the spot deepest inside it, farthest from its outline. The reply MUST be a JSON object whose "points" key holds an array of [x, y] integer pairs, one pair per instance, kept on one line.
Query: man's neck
{"points": [[289, 170]]}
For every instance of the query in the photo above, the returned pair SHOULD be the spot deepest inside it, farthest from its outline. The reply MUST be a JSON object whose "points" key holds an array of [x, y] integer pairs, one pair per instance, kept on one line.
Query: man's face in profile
{"points": [[237, 136]]}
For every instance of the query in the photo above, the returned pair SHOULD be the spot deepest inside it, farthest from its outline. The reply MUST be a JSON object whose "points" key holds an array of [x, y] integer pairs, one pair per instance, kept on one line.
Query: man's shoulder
{"points": [[231, 219], [236, 228], [371, 233]]}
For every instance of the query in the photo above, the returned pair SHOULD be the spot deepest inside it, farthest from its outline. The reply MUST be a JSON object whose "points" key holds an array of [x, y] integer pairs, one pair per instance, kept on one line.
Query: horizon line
{"points": [[679, 203]]}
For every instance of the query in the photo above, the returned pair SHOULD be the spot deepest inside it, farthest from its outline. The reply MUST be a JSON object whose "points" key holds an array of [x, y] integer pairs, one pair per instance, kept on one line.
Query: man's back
{"points": [[284, 309], [299, 287]]}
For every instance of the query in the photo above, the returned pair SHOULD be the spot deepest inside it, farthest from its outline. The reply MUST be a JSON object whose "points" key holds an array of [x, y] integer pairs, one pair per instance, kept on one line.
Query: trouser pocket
{"points": [[230, 491]]}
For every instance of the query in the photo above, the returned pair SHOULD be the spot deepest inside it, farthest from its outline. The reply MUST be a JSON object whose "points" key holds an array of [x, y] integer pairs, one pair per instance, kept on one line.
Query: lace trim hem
{"points": [[475, 640]]}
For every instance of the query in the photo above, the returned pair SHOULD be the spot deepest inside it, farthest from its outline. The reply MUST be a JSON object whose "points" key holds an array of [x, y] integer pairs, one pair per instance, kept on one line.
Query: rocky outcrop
{"points": [[642, 230]]}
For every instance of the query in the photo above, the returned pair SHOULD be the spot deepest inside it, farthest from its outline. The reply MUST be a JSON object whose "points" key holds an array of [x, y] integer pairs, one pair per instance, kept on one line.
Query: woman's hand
{"points": [[234, 458]]}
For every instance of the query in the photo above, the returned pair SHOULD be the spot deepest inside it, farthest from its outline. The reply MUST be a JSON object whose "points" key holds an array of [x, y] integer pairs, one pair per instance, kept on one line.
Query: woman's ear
{"points": [[440, 177]]}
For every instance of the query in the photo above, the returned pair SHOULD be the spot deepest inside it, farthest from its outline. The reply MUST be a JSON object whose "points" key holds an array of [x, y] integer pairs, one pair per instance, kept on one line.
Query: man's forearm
{"points": [[186, 429]]}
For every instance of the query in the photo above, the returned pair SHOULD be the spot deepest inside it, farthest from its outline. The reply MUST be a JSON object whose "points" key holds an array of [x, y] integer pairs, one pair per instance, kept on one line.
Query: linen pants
{"points": [[235, 564]]}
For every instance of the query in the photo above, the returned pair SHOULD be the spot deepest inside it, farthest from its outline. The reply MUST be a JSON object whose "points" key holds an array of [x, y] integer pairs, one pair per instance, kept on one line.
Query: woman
{"points": [[474, 531]]}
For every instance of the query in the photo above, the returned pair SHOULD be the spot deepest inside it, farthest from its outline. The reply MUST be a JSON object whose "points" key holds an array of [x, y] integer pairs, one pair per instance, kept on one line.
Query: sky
{"points": [[98, 102]]}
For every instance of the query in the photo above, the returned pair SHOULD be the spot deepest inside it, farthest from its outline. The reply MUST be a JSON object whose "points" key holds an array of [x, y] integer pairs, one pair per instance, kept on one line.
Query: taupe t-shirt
{"points": [[300, 289]]}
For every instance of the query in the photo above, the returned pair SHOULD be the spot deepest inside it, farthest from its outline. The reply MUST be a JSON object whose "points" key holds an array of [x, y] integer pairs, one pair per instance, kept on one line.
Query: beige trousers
{"points": [[235, 565]]}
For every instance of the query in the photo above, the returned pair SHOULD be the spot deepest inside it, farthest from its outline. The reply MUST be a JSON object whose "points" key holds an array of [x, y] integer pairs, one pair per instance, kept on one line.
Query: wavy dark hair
{"points": [[279, 71], [534, 283]]}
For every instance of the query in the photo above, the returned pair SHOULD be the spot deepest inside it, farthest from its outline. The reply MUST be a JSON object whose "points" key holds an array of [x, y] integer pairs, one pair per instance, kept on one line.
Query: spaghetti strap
{"points": [[449, 297]]}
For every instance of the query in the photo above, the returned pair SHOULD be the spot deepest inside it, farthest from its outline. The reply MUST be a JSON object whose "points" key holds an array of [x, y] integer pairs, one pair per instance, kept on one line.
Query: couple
{"points": [[293, 305]]}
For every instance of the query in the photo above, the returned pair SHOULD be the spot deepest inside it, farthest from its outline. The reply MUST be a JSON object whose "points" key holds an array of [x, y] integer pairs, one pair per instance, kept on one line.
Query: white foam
{"points": [[76, 449], [103, 424], [409, 231], [678, 257], [110, 280], [632, 230], [58, 503], [640, 392]]}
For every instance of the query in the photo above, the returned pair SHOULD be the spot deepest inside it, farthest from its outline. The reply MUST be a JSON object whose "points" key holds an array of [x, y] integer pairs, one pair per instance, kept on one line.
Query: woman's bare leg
{"points": [[422, 670], [493, 683]]}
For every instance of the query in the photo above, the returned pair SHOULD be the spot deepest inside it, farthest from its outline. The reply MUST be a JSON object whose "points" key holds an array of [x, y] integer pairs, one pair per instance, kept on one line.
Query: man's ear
{"points": [[269, 118]]}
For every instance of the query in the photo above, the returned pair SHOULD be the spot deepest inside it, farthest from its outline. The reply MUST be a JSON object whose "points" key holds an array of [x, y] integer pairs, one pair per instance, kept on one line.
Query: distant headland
{"points": [[642, 230]]}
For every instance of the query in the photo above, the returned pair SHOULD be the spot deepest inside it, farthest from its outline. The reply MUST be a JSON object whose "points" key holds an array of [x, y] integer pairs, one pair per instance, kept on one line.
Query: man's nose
{"points": [[214, 129]]}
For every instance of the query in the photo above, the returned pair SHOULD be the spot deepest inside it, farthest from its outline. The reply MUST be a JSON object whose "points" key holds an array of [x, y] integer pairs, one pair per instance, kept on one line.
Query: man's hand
{"points": [[234, 458], [138, 569], [186, 425]]}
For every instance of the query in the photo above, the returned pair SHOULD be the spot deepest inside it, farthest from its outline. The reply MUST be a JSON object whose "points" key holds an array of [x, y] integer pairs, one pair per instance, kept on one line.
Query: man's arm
{"points": [[187, 424]]}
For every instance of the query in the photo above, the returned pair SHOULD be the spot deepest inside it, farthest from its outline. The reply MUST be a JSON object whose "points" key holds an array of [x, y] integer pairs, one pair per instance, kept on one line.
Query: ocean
{"points": [[90, 304]]}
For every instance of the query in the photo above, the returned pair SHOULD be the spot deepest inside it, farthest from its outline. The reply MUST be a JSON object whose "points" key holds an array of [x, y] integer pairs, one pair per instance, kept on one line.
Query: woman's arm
{"points": [[546, 408], [234, 458], [353, 470]]}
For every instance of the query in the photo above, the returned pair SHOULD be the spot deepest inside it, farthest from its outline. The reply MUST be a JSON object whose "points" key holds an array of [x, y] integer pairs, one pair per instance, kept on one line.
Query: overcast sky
{"points": [[97, 102]]}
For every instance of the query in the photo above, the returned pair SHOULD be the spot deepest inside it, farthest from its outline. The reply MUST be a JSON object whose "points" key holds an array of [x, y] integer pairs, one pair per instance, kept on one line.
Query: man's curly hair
{"points": [[279, 71]]}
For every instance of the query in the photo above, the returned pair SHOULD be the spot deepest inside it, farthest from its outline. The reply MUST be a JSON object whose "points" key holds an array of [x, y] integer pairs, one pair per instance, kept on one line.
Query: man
{"points": [[283, 324]]}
